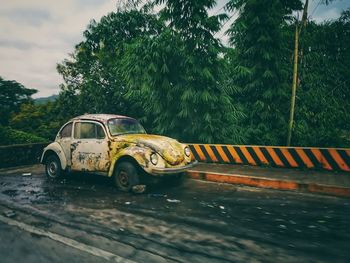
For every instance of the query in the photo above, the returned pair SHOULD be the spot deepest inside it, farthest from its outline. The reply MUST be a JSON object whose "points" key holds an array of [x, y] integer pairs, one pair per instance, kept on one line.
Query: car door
{"points": [[89, 147], [64, 138]]}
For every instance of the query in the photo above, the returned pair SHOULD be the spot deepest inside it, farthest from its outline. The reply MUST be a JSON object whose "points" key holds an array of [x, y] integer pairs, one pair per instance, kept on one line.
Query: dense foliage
{"points": [[41, 120], [21, 120], [260, 71], [323, 98], [10, 136], [12, 95], [179, 76], [169, 69], [93, 75]]}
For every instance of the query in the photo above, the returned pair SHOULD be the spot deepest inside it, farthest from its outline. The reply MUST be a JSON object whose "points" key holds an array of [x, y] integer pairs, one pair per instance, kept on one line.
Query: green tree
{"points": [[180, 78], [93, 81], [322, 106], [261, 66], [12, 96], [41, 120], [170, 71], [9, 136]]}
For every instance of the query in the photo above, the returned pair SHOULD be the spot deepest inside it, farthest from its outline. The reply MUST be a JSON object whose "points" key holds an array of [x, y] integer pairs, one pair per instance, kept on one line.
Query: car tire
{"points": [[126, 176], [53, 167]]}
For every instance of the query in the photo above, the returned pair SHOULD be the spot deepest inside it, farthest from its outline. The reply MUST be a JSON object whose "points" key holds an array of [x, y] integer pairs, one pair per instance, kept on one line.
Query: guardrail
{"points": [[20, 154], [337, 159]]}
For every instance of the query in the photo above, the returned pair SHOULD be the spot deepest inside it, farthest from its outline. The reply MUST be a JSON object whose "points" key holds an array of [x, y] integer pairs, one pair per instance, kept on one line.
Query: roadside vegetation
{"points": [[171, 70]]}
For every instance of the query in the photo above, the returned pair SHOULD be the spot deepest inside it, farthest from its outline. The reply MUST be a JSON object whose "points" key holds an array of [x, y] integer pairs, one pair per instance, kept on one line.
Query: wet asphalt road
{"points": [[195, 222]]}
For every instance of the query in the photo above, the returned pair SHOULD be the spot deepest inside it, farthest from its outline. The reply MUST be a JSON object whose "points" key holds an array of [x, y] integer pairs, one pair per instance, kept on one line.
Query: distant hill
{"points": [[44, 100]]}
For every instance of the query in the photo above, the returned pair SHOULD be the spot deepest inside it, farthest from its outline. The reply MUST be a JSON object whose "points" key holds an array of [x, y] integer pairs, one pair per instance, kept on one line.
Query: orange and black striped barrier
{"points": [[337, 159]]}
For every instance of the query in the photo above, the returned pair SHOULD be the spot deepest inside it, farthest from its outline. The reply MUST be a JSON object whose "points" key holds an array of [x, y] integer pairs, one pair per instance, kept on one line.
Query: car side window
{"points": [[66, 132], [100, 134], [88, 130]]}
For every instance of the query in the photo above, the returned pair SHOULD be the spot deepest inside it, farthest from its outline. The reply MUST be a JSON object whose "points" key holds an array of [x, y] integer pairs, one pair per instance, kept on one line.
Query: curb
{"points": [[263, 182]]}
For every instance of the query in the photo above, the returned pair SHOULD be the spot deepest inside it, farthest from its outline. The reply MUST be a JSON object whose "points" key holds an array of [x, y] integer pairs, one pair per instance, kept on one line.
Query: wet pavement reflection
{"points": [[194, 222]]}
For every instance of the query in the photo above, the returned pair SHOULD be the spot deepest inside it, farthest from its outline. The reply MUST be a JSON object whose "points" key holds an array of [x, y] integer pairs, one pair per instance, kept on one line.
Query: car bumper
{"points": [[175, 170]]}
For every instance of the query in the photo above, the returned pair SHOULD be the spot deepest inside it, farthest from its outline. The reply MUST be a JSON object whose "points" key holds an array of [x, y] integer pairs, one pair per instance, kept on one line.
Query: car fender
{"points": [[57, 149], [138, 154]]}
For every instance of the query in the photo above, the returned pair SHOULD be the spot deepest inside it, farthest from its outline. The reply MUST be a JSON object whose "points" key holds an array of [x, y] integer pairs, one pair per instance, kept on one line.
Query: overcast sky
{"points": [[37, 34]]}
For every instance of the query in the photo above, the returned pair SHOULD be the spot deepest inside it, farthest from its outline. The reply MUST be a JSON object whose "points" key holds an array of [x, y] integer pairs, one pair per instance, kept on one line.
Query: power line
{"points": [[226, 22], [313, 11], [219, 9]]}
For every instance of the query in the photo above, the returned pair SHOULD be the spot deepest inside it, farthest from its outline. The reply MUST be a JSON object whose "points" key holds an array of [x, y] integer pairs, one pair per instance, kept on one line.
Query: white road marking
{"points": [[67, 241]]}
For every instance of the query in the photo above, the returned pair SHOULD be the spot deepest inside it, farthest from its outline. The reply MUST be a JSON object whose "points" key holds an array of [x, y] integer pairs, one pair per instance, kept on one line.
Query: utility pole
{"points": [[294, 85], [295, 71]]}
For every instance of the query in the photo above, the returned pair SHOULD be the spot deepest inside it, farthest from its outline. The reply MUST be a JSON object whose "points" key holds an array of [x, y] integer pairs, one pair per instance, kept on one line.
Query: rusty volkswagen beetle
{"points": [[115, 146]]}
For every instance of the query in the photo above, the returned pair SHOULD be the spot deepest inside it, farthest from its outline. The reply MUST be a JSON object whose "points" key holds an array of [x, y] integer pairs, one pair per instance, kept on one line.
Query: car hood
{"points": [[170, 149]]}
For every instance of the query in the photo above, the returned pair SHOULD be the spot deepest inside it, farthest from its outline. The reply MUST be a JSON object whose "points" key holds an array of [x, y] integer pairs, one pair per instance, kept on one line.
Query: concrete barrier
{"points": [[21, 154], [337, 159]]}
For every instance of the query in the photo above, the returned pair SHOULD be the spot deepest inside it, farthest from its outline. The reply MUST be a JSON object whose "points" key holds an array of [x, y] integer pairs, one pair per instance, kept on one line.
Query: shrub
{"points": [[10, 136]]}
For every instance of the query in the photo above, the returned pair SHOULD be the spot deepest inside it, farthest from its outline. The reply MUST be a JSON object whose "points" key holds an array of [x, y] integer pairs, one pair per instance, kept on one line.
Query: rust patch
{"points": [[169, 149]]}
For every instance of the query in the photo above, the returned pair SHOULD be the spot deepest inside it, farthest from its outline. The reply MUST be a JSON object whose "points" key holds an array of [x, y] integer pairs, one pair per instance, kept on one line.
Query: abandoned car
{"points": [[115, 146]]}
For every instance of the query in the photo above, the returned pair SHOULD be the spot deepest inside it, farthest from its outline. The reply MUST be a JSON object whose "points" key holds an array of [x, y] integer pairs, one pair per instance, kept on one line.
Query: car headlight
{"points": [[154, 159], [187, 151]]}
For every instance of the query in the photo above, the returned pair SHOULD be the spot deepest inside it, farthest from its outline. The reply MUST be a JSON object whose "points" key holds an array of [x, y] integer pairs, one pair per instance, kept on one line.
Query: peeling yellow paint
{"points": [[141, 146]]}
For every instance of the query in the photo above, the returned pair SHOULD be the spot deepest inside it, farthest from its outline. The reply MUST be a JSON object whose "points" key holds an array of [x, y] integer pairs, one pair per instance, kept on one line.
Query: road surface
{"points": [[83, 218]]}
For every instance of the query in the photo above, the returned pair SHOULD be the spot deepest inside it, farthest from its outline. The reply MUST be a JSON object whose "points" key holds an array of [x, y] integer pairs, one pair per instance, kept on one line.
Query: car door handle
{"points": [[74, 145]]}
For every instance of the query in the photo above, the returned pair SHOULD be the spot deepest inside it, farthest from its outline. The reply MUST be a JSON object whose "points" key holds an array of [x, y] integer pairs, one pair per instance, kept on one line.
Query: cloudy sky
{"points": [[37, 34]]}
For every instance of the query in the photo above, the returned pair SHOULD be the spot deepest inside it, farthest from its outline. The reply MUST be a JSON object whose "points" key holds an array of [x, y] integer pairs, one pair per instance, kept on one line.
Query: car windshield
{"points": [[125, 126]]}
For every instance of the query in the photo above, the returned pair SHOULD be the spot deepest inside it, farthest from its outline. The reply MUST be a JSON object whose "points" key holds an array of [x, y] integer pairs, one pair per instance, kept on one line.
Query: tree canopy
{"points": [[12, 96], [261, 66], [164, 64]]}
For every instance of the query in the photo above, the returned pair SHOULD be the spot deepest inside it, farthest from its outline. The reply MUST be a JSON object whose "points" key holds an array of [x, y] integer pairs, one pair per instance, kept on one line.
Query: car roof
{"points": [[100, 117]]}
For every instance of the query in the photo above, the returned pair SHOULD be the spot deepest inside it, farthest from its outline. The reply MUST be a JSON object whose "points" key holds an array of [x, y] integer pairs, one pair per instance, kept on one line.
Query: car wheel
{"points": [[53, 167], [126, 176]]}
